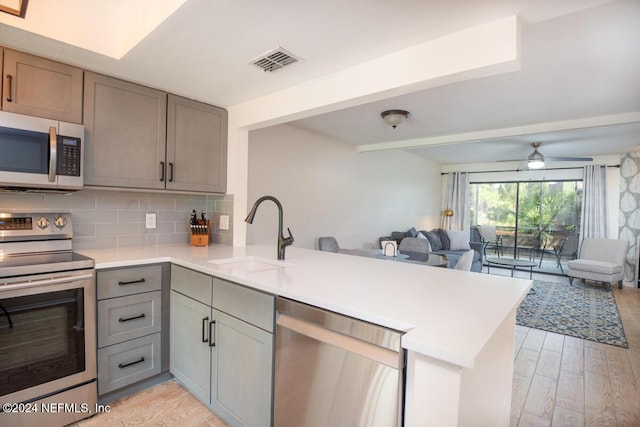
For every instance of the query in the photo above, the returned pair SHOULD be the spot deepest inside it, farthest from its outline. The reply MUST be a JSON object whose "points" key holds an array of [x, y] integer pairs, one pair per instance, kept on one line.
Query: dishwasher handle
{"points": [[382, 355]]}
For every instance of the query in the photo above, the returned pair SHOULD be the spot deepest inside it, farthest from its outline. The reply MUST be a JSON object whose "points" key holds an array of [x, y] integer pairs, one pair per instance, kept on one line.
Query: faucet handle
{"points": [[290, 238]]}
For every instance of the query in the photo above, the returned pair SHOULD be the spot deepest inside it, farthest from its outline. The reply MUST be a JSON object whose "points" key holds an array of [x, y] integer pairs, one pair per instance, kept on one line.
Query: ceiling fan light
{"points": [[394, 117], [535, 164], [535, 159]]}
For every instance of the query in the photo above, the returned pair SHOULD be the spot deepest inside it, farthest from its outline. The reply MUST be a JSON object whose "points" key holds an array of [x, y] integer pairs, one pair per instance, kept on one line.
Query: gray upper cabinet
{"points": [[138, 137], [196, 146], [125, 133], [39, 87]]}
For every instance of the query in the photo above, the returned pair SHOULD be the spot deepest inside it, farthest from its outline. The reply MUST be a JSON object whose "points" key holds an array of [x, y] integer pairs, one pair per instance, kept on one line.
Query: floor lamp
{"points": [[446, 215]]}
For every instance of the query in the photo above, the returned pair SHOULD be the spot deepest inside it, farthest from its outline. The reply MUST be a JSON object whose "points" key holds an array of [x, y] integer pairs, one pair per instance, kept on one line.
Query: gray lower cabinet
{"points": [[243, 372], [130, 319], [222, 345], [190, 354]]}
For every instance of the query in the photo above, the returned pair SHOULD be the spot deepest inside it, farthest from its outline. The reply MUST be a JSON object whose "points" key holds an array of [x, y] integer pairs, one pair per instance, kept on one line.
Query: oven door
{"points": [[47, 334]]}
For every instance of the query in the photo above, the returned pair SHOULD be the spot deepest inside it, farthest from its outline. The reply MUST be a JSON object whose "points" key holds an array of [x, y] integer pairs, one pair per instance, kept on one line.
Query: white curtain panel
{"points": [[594, 202], [457, 199]]}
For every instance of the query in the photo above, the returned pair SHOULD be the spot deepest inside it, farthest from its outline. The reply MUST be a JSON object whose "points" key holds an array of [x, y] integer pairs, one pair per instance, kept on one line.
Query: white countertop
{"points": [[446, 314]]}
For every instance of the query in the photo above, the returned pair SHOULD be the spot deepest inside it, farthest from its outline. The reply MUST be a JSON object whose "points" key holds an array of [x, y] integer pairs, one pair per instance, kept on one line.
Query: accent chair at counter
{"points": [[416, 248], [328, 244], [465, 261]]}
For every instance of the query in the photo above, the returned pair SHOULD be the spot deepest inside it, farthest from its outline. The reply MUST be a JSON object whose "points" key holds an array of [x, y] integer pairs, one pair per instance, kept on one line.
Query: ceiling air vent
{"points": [[274, 60]]}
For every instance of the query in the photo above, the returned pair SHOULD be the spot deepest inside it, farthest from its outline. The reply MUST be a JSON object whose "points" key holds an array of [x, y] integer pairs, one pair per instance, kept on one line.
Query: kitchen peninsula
{"points": [[459, 326]]}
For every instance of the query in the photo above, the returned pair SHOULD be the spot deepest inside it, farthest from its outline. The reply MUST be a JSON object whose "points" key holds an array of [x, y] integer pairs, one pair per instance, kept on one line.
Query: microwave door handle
{"points": [[53, 154]]}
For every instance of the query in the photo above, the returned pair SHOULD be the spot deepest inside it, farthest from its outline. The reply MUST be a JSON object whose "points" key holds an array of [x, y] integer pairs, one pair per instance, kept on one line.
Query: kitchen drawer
{"points": [[254, 307], [126, 318], [128, 281], [123, 364], [192, 284]]}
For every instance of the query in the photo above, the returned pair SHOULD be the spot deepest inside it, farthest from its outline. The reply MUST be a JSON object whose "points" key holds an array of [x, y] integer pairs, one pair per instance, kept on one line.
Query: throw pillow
{"points": [[444, 238], [434, 240], [398, 236], [458, 240], [412, 232]]}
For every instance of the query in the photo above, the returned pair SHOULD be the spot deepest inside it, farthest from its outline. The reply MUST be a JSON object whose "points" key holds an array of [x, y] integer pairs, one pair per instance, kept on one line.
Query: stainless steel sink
{"points": [[250, 264]]}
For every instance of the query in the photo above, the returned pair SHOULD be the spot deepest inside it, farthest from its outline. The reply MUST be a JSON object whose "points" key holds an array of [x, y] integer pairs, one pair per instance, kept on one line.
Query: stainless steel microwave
{"points": [[39, 154]]}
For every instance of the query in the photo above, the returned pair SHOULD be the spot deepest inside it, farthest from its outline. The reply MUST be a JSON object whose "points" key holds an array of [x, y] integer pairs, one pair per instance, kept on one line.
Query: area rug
{"points": [[580, 311]]}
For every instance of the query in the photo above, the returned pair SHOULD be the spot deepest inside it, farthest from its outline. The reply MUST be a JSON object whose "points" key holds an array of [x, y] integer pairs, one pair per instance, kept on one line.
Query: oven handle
{"points": [[47, 282]]}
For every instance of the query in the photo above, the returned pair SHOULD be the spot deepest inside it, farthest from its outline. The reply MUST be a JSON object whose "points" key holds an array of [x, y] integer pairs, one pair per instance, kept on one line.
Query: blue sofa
{"points": [[440, 244]]}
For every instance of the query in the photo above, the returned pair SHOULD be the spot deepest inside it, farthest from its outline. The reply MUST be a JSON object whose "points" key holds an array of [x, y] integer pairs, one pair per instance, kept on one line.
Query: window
{"points": [[538, 220]]}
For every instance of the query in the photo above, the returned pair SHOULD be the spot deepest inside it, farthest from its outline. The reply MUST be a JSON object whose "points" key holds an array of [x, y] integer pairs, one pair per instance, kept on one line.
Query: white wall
{"points": [[480, 51], [327, 188]]}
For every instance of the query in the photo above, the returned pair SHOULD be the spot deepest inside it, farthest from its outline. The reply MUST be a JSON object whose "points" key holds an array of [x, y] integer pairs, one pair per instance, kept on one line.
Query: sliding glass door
{"points": [[537, 221]]}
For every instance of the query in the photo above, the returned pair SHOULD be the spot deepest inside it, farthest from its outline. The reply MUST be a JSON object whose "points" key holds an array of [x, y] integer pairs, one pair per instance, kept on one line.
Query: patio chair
{"points": [[600, 260], [490, 239], [554, 245]]}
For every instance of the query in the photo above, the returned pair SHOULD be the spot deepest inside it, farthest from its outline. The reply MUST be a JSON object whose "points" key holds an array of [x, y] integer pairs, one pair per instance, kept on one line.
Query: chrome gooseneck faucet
{"points": [[283, 242]]}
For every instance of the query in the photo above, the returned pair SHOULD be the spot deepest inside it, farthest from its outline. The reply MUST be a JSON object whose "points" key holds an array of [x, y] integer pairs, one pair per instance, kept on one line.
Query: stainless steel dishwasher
{"points": [[333, 370]]}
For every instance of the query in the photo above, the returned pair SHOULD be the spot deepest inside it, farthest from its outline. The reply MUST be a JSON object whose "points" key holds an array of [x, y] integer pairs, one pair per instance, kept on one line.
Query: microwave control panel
{"points": [[69, 156]]}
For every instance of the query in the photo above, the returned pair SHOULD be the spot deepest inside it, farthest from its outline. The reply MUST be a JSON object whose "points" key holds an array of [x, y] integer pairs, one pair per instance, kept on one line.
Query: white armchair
{"points": [[600, 260]]}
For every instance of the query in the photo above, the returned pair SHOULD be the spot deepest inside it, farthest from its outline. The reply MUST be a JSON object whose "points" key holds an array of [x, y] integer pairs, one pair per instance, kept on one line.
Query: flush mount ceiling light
{"points": [[535, 159], [394, 117]]}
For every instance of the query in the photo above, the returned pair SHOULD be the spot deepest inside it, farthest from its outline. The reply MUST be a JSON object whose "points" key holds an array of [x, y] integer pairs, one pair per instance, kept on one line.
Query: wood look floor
{"points": [[564, 381], [167, 404], [558, 381]]}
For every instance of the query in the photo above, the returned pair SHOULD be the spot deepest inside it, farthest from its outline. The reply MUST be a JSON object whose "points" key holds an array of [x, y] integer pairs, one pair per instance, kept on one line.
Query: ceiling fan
{"points": [[536, 159]]}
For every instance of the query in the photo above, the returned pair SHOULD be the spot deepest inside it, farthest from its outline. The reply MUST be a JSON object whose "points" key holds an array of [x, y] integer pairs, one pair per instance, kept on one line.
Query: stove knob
{"points": [[42, 223], [60, 222]]}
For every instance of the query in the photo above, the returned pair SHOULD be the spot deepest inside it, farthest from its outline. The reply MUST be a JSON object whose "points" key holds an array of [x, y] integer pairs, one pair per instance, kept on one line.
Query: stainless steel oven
{"points": [[47, 323]]}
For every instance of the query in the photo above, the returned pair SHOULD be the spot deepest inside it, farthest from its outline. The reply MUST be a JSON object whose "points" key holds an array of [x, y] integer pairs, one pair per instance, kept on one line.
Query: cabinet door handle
{"points": [[126, 319], [131, 282], [135, 362], [204, 329], [10, 87], [53, 154], [161, 171], [212, 340], [170, 172]]}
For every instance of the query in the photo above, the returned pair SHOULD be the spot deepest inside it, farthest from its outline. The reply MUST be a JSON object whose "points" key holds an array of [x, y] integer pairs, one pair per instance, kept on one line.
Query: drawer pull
{"points": [[131, 282], [204, 328], [126, 319], [212, 341], [124, 365]]}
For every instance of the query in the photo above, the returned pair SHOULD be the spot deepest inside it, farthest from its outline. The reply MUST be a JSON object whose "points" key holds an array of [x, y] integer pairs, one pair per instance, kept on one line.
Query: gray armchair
{"points": [[417, 249], [599, 260]]}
